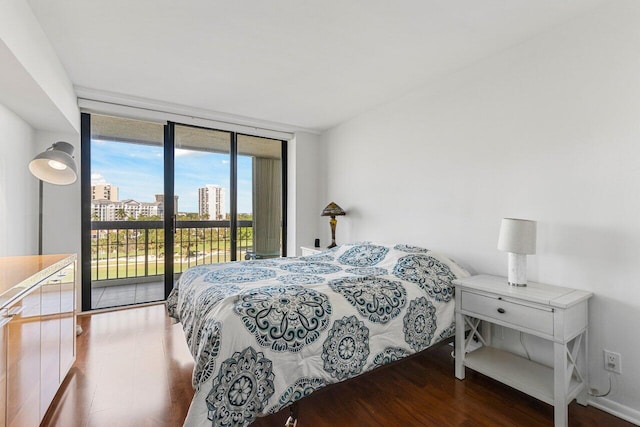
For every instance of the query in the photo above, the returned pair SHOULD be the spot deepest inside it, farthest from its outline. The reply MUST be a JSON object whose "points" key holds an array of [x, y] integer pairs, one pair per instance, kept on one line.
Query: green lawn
{"points": [[136, 268]]}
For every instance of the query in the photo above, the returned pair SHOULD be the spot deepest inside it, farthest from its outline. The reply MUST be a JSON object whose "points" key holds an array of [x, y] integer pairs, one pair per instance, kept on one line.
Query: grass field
{"points": [[118, 268]]}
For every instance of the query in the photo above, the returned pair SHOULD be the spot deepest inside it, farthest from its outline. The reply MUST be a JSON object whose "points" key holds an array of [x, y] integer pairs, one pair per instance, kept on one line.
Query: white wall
{"points": [[548, 130], [18, 188], [39, 89], [303, 201]]}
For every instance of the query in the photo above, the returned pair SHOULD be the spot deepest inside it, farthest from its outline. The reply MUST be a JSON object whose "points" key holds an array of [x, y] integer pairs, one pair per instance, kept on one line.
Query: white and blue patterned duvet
{"points": [[266, 333]]}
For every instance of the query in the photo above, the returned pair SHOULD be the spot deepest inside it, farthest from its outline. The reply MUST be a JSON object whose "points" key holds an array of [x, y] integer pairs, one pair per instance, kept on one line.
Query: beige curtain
{"points": [[267, 206]]}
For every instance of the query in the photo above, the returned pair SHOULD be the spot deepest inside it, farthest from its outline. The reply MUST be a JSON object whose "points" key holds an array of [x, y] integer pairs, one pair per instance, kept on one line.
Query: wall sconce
{"points": [[333, 210], [518, 238]]}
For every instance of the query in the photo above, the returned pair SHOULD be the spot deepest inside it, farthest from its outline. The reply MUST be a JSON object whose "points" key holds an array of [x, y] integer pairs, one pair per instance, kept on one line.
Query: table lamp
{"points": [[333, 210], [518, 238]]}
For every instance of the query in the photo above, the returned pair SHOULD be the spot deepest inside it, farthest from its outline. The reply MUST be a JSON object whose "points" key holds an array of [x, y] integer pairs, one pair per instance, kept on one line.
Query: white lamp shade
{"points": [[55, 165], [517, 236]]}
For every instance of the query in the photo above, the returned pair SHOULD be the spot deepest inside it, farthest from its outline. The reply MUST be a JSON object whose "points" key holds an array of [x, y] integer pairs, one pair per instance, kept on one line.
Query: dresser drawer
{"points": [[511, 313]]}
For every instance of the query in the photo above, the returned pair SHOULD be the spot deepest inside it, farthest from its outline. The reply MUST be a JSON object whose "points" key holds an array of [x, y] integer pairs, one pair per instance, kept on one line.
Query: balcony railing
{"points": [[136, 249]]}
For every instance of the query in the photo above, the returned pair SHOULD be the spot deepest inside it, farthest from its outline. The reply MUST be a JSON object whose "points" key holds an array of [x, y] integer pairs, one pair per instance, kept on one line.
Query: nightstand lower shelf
{"points": [[515, 371]]}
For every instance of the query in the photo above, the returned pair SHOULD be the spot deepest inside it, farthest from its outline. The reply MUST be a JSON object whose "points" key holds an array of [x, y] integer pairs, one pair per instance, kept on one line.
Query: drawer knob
{"points": [[501, 310]]}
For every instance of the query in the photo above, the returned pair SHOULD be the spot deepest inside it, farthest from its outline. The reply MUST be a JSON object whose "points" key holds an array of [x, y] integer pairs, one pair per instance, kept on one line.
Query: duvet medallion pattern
{"points": [[204, 303], [208, 348], [239, 275], [241, 389], [420, 324], [300, 279], [303, 387], [375, 298], [431, 274], [390, 354], [346, 348], [366, 271], [364, 255], [266, 333], [411, 249], [310, 267], [284, 318]]}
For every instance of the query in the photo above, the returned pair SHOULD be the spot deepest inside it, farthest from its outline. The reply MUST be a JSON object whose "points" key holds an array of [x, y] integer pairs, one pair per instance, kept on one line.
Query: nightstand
{"points": [[557, 314], [308, 250]]}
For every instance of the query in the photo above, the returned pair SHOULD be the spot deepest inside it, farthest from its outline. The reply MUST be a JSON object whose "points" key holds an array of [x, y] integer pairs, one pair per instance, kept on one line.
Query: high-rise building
{"points": [[160, 199], [211, 202], [104, 192]]}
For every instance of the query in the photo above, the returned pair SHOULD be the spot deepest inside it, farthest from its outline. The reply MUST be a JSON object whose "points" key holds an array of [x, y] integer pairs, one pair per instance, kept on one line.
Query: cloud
{"points": [[180, 152], [97, 178]]}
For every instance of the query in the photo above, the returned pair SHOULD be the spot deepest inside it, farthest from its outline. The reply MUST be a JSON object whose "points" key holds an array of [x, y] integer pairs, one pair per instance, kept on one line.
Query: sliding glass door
{"points": [[126, 212], [158, 199], [202, 182]]}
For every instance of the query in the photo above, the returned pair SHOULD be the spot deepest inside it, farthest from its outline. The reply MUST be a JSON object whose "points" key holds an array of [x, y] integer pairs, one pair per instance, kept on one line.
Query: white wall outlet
{"points": [[612, 362]]}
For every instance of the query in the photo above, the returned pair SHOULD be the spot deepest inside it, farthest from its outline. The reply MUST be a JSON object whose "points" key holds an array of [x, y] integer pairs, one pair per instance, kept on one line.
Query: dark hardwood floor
{"points": [[133, 369]]}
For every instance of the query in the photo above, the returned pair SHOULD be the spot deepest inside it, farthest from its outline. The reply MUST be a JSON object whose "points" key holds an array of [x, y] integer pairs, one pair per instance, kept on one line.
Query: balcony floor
{"points": [[120, 295]]}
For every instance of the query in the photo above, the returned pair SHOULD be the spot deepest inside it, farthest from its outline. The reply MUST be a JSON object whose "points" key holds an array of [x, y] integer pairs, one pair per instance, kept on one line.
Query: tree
{"points": [[146, 218], [120, 215]]}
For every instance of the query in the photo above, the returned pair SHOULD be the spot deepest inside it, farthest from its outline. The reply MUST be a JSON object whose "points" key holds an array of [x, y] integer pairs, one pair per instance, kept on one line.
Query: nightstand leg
{"points": [[460, 344], [583, 366], [560, 381]]}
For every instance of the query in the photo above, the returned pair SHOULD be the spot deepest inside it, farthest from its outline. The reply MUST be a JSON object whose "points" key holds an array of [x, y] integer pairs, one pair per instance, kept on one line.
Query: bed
{"points": [[266, 333]]}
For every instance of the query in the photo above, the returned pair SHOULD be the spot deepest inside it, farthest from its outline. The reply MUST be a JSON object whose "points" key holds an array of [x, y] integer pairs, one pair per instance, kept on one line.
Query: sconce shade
{"points": [[55, 165], [517, 236], [332, 210]]}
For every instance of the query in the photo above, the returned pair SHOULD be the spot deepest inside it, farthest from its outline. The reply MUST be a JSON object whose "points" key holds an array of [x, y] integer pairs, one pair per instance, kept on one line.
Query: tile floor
{"points": [[119, 295]]}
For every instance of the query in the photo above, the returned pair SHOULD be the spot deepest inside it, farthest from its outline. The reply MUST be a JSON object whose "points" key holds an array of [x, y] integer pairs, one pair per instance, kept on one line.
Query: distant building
{"points": [[104, 192], [211, 202], [105, 210], [120, 210], [160, 198]]}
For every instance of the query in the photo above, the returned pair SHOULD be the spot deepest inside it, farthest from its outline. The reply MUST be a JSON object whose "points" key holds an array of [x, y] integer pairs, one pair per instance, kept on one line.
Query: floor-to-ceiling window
{"points": [[202, 179], [165, 197], [127, 211]]}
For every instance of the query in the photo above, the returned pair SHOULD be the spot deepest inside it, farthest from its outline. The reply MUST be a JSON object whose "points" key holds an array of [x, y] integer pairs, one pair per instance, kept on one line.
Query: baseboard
{"points": [[614, 408]]}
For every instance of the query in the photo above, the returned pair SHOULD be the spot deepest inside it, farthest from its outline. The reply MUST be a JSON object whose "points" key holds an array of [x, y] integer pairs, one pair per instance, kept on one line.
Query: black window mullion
{"points": [[233, 220], [169, 205], [85, 216], [284, 197]]}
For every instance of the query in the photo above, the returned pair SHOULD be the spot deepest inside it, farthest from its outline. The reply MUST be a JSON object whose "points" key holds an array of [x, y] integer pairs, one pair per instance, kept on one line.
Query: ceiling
{"points": [[306, 64]]}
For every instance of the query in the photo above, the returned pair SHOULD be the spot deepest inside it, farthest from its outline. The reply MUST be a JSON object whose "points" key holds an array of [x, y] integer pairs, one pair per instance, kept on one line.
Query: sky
{"points": [[137, 171]]}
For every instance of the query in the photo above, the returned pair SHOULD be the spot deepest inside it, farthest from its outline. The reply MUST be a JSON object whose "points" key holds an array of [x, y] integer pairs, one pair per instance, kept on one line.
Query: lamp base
{"points": [[517, 269], [520, 285], [332, 222]]}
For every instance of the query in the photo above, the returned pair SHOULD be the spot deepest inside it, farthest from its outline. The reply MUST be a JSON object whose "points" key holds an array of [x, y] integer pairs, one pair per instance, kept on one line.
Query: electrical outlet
{"points": [[612, 362]]}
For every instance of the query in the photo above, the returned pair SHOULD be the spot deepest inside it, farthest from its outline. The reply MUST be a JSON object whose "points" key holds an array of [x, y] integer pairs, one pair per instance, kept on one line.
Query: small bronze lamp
{"points": [[333, 210]]}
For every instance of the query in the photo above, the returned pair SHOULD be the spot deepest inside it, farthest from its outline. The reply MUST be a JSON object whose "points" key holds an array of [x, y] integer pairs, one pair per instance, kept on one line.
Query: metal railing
{"points": [[136, 249]]}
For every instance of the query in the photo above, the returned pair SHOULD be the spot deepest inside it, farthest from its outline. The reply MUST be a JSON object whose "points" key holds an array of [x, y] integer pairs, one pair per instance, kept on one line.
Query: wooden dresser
{"points": [[37, 334]]}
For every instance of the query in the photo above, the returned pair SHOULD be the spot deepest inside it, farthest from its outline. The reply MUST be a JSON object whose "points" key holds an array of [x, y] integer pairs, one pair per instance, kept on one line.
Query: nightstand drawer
{"points": [[517, 315]]}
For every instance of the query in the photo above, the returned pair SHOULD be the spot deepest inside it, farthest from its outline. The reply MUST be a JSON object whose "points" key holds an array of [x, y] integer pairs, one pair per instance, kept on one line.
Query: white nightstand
{"points": [[557, 314], [308, 250]]}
